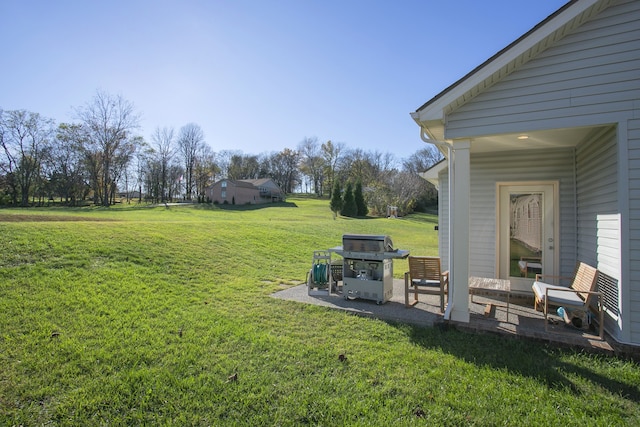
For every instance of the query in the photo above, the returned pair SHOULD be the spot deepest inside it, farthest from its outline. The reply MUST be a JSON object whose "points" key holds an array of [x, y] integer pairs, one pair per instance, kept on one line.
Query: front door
{"points": [[526, 232]]}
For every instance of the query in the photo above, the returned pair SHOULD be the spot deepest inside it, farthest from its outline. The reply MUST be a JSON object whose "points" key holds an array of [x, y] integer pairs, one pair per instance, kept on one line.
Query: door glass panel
{"points": [[526, 231]]}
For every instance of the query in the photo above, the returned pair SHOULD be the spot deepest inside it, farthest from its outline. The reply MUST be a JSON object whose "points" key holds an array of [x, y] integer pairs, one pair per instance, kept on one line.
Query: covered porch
{"points": [[523, 321], [541, 131]]}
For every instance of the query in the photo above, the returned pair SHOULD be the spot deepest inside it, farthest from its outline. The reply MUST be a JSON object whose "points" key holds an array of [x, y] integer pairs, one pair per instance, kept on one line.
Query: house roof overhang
{"points": [[431, 116], [432, 174]]}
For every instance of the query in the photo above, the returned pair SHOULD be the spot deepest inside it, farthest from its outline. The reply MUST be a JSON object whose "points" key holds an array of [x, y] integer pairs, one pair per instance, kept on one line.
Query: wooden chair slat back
{"points": [[585, 280], [427, 268]]}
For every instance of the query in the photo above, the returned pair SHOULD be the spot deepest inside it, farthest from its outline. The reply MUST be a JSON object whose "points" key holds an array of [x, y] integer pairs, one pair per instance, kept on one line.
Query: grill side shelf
{"points": [[378, 256]]}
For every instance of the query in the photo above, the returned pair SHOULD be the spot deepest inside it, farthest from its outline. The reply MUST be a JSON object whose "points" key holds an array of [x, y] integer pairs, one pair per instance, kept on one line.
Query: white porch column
{"points": [[459, 263]]}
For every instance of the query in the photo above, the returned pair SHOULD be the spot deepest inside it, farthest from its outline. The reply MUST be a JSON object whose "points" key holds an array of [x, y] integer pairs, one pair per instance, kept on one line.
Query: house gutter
{"points": [[449, 147]]}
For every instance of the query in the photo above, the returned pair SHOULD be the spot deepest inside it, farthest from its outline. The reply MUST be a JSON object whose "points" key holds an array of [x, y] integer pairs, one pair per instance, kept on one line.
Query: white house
{"points": [[556, 116]]}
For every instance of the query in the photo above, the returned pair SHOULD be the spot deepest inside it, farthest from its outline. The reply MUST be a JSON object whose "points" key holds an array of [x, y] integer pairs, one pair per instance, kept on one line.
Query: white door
{"points": [[527, 238]]}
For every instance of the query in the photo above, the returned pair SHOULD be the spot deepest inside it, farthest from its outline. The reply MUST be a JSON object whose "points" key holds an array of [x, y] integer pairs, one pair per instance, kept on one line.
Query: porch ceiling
{"points": [[535, 140]]}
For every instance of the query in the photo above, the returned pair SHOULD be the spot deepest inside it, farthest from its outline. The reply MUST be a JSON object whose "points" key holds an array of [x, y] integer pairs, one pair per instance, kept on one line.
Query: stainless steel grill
{"points": [[367, 268]]}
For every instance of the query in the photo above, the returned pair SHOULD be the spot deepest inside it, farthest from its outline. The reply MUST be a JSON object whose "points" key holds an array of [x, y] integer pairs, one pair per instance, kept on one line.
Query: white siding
{"points": [[596, 172], [598, 214], [633, 295], [590, 76]]}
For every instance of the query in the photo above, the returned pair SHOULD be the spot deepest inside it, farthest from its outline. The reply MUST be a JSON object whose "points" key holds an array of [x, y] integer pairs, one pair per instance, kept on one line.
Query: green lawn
{"points": [[143, 316]]}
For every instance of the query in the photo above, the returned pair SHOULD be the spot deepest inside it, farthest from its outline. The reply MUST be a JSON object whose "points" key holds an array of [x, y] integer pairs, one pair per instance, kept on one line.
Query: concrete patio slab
{"points": [[487, 315]]}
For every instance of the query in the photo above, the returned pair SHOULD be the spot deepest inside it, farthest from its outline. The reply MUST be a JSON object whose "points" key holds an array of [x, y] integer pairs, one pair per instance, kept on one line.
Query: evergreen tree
{"points": [[336, 198], [361, 205], [349, 207]]}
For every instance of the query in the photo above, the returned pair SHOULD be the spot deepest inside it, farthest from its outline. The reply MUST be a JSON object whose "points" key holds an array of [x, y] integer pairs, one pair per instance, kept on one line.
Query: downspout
{"points": [[450, 187]]}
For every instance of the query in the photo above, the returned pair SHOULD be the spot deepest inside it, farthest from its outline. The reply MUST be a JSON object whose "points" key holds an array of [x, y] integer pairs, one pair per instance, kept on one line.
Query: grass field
{"points": [[163, 316]]}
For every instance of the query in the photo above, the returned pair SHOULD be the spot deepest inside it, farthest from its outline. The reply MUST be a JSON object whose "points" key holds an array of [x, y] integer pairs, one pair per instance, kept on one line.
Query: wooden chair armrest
{"points": [[563, 289], [445, 275], [596, 293], [591, 292]]}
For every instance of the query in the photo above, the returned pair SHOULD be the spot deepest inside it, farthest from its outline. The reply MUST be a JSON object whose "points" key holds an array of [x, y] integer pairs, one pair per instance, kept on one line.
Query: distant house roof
{"points": [[237, 183], [252, 183], [260, 181]]}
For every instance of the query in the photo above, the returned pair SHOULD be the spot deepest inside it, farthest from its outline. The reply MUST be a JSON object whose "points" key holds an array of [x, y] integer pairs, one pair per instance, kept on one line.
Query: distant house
{"points": [[245, 191], [542, 147], [129, 194]]}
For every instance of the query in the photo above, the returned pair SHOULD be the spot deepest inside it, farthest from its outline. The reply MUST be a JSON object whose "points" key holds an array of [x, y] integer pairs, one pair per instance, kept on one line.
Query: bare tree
{"points": [[190, 140], [284, 169], [176, 177], [312, 163], [163, 145], [224, 161], [332, 154], [367, 167], [357, 166], [409, 192], [143, 158], [109, 121], [422, 159], [205, 171], [7, 162], [26, 139], [121, 169], [244, 166], [68, 169]]}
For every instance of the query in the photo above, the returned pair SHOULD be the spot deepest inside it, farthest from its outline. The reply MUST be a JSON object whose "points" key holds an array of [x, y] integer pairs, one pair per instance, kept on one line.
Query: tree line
{"points": [[100, 159]]}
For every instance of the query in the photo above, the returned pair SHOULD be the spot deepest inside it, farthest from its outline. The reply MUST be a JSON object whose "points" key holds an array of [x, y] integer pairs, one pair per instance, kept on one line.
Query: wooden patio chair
{"points": [[527, 264], [425, 276], [579, 295]]}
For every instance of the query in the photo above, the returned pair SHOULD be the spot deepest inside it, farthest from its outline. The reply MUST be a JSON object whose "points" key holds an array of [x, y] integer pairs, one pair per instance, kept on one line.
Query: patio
{"points": [[523, 322]]}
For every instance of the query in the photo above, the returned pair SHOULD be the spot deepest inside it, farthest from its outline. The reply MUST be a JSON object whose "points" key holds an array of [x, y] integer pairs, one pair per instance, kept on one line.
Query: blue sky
{"points": [[256, 75]]}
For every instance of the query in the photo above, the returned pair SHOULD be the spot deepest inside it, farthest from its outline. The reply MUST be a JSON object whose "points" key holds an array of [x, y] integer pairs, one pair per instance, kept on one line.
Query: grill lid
{"points": [[367, 243]]}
